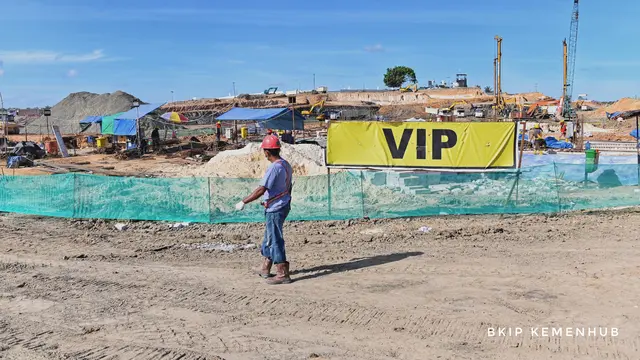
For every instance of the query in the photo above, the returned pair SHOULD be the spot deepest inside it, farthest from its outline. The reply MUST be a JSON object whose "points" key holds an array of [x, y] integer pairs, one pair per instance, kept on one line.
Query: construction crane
{"points": [[497, 78], [569, 52]]}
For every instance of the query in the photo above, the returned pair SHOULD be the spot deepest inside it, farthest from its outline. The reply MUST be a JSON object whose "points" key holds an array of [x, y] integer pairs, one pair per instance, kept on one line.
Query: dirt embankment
{"points": [[362, 289], [624, 104]]}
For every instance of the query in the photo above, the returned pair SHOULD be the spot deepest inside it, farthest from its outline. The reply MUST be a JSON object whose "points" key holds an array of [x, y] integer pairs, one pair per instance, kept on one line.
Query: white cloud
{"points": [[1, 72], [374, 48], [48, 57], [72, 73]]}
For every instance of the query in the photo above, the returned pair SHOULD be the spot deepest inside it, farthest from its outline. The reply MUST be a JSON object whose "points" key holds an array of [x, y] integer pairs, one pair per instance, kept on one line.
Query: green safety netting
{"points": [[338, 196]]}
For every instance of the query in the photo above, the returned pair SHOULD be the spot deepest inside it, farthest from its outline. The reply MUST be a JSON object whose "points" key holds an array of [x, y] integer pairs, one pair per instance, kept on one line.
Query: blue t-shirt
{"points": [[275, 180]]}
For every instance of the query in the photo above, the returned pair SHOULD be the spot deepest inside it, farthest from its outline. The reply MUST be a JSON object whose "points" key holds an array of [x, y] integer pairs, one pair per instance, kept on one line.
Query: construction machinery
{"points": [[497, 78], [410, 88], [542, 109], [450, 109], [569, 57], [271, 91], [315, 109], [9, 122]]}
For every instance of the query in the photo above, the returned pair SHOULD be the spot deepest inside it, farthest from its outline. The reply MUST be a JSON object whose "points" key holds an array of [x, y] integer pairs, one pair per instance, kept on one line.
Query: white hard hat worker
{"points": [[275, 188]]}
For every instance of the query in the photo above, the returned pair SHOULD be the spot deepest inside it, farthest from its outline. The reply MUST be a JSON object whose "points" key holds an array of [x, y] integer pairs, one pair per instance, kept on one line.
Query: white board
{"points": [[61, 146]]}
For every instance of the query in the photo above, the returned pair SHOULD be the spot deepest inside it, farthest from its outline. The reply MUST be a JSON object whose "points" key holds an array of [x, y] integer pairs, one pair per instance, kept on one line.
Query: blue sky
{"points": [[198, 48]]}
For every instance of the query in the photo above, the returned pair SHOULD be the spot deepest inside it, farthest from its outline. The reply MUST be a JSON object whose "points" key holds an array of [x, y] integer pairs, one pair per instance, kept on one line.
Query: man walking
{"points": [[155, 139], [218, 130], [276, 187]]}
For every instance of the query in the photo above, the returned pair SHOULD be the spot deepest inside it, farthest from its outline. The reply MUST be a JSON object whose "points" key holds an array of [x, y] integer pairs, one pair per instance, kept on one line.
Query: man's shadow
{"points": [[354, 264]]}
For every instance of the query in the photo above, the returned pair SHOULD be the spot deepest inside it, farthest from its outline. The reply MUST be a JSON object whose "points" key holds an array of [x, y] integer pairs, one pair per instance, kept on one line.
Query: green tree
{"points": [[488, 90], [398, 75]]}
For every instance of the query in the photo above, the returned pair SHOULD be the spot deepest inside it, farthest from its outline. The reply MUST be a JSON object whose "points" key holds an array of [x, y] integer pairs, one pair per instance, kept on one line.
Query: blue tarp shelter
{"points": [[124, 127], [142, 110], [276, 119], [91, 120], [553, 143], [125, 123]]}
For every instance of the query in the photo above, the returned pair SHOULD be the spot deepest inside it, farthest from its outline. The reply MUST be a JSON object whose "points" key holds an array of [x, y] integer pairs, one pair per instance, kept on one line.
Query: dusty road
{"points": [[362, 290]]}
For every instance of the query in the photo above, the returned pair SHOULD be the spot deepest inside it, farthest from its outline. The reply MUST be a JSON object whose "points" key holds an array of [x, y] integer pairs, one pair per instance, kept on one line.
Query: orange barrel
{"points": [[51, 147]]}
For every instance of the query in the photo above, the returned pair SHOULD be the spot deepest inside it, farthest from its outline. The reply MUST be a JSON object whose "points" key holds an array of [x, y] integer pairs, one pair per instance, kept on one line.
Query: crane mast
{"points": [[497, 77], [570, 60]]}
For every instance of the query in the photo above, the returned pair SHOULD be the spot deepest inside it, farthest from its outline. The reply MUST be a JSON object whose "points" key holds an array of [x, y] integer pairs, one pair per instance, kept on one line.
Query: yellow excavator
{"points": [[409, 88], [316, 109], [319, 105], [450, 108]]}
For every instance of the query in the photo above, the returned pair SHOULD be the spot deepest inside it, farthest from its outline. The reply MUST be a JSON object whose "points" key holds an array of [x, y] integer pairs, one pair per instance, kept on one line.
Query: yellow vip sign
{"points": [[422, 145]]}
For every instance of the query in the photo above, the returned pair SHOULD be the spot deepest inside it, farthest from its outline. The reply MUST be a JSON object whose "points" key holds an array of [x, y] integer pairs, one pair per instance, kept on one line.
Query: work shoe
{"points": [[282, 275], [265, 271]]}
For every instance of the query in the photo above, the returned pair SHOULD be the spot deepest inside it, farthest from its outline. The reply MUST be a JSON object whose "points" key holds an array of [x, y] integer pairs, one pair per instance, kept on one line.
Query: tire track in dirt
{"points": [[418, 324], [39, 342], [249, 306], [132, 352], [241, 307], [46, 343]]}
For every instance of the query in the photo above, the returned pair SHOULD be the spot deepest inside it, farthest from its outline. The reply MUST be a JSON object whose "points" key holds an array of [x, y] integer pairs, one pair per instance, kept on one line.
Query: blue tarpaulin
{"points": [[553, 143], [634, 133], [124, 127], [276, 119], [91, 120], [614, 114], [141, 111], [125, 124]]}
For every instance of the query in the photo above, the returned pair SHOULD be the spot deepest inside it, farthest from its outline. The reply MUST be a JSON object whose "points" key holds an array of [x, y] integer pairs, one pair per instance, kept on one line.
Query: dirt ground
{"points": [[378, 289]]}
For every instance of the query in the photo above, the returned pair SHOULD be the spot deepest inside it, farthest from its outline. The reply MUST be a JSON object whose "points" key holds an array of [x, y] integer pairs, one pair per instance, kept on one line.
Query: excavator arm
{"points": [[319, 104]]}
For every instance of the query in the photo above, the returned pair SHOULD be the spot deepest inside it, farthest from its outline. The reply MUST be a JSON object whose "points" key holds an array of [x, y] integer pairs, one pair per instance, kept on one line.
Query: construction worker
{"points": [[563, 130], [155, 139], [218, 130], [287, 137], [536, 139], [276, 187]]}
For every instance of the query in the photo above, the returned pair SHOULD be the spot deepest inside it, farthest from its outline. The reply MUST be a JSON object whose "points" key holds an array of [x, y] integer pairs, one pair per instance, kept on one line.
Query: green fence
{"points": [[338, 196]]}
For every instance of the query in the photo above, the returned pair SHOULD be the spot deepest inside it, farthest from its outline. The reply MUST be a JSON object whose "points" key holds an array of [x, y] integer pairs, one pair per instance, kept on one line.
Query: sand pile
{"points": [[75, 107], [624, 104], [249, 162]]}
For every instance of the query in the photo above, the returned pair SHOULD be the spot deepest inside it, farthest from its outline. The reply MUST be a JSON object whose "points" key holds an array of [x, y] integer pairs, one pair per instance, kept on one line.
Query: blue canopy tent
{"points": [[125, 123], [276, 119], [91, 120], [85, 124]]}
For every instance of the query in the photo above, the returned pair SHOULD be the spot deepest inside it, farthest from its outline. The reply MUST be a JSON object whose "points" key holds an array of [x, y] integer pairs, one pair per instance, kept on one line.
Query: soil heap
{"points": [[75, 107], [249, 162], [624, 104]]}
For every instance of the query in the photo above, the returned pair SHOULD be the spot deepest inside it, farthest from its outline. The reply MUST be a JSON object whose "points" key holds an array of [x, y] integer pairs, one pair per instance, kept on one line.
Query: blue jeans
{"points": [[273, 243]]}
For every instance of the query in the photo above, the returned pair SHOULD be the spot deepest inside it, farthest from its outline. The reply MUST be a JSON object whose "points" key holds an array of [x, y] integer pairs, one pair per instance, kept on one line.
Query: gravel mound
{"points": [[75, 107]]}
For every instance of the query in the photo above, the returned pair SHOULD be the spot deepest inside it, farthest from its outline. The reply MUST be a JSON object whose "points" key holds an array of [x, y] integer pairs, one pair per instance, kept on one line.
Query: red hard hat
{"points": [[270, 142], [269, 131]]}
